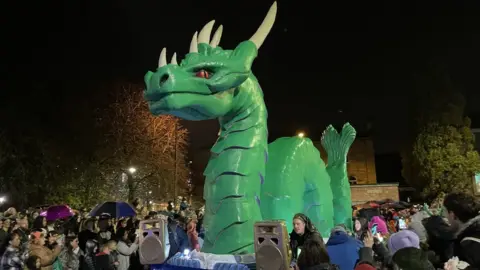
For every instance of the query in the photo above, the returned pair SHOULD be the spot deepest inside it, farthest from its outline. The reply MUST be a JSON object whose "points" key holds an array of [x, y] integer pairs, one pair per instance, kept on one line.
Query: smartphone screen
{"points": [[60, 240], [299, 250], [374, 229], [402, 225]]}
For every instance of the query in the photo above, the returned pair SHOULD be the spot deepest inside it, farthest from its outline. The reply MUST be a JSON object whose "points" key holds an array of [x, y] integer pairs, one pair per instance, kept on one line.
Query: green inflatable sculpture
{"points": [[248, 180]]}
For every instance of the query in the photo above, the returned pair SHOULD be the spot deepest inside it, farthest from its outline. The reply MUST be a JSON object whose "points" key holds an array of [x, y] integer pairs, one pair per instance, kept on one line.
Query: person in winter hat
{"points": [[381, 225], [404, 246], [342, 248], [403, 239]]}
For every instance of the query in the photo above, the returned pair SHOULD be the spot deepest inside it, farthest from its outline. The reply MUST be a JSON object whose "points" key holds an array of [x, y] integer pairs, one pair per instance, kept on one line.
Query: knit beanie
{"points": [[364, 266], [403, 239], [381, 225]]}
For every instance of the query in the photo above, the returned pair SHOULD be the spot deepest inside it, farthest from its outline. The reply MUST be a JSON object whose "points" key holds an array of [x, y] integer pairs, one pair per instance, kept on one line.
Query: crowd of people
{"points": [[30, 241], [447, 237], [444, 236]]}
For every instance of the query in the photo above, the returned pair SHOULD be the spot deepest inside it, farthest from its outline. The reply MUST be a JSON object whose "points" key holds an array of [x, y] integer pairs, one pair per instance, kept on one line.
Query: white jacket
{"points": [[124, 253]]}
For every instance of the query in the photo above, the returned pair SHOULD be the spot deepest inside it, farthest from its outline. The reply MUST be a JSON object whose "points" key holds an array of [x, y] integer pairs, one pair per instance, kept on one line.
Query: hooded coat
{"points": [[467, 243]]}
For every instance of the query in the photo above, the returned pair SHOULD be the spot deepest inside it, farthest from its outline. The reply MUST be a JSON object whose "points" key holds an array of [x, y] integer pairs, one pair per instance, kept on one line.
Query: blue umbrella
{"points": [[113, 209]]}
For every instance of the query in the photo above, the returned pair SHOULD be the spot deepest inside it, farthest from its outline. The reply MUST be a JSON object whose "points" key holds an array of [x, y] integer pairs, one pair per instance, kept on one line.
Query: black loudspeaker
{"points": [[153, 241], [272, 246]]}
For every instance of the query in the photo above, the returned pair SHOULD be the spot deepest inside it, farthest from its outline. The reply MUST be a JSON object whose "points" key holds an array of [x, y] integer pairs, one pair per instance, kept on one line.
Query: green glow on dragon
{"points": [[248, 180]]}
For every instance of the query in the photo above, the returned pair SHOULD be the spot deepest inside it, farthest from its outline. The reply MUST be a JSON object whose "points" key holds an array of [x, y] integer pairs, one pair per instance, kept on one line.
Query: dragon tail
{"points": [[337, 146]]}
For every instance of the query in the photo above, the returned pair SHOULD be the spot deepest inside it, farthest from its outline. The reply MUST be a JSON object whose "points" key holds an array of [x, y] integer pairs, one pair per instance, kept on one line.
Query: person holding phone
{"points": [[402, 224], [366, 260], [380, 224], [378, 246], [37, 248], [125, 248]]}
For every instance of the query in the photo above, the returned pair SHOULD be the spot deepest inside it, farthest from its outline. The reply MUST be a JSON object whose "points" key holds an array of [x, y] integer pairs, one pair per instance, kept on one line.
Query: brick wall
{"points": [[365, 193], [361, 161]]}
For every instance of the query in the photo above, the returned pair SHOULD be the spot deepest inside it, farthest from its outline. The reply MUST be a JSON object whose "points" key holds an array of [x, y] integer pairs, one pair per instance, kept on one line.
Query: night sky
{"points": [[322, 63]]}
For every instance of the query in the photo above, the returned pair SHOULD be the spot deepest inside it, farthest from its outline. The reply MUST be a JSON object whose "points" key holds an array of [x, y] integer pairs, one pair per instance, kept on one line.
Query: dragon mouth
{"points": [[158, 105], [156, 97]]}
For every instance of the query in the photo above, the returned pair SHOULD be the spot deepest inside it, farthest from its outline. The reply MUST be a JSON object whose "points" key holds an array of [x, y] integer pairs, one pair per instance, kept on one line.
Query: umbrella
{"points": [[114, 209], [395, 205], [57, 212]]}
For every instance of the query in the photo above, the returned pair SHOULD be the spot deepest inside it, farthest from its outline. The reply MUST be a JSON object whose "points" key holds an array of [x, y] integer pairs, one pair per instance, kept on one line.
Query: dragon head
{"points": [[207, 82]]}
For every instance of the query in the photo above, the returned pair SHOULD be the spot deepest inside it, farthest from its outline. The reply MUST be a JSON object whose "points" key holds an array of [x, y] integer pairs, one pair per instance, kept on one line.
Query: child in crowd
{"points": [[107, 258]]}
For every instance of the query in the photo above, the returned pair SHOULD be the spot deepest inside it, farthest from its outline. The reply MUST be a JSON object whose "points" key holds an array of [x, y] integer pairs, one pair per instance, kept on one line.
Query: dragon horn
{"points": [[262, 32], [162, 60], [194, 44], [217, 37], [174, 59], [204, 35]]}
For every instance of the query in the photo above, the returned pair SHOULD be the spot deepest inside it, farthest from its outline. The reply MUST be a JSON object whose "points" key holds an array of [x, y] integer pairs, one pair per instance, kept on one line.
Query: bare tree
{"points": [[87, 159], [139, 148]]}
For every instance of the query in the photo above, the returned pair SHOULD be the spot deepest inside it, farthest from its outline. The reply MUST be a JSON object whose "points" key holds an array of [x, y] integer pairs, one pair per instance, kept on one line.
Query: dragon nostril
{"points": [[164, 78]]}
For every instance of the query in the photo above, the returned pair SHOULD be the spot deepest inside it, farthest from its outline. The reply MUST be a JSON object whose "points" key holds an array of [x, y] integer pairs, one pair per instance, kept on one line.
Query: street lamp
{"points": [[301, 134], [2, 200], [150, 192], [132, 170]]}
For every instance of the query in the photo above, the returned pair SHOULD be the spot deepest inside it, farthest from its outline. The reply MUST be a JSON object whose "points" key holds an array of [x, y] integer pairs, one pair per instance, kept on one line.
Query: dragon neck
{"points": [[244, 129]]}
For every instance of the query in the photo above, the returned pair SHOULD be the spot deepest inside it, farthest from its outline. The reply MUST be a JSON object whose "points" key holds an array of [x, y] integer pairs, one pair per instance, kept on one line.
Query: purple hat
{"points": [[403, 239]]}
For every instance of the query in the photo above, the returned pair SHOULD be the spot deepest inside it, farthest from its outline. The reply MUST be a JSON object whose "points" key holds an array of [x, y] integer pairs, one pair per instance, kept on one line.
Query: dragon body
{"points": [[248, 180]]}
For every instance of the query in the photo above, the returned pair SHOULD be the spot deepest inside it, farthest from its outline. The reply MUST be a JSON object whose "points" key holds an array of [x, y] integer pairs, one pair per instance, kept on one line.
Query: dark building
{"points": [[362, 172]]}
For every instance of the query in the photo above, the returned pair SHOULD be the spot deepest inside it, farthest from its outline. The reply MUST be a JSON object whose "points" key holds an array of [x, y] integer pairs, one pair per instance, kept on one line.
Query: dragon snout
{"points": [[163, 76], [163, 79], [155, 89]]}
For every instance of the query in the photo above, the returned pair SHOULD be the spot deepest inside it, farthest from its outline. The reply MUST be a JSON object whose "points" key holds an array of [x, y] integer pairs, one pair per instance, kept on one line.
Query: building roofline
{"points": [[375, 185]]}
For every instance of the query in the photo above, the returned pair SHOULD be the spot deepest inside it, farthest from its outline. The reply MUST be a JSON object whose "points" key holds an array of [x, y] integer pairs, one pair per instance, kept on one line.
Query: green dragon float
{"points": [[247, 179]]}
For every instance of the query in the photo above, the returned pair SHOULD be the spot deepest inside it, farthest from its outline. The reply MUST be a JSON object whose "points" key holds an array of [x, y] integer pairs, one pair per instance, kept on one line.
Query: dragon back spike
{"points": [[194, 44], [206, 32], [162, 60], [264, 29], [217, 37]]}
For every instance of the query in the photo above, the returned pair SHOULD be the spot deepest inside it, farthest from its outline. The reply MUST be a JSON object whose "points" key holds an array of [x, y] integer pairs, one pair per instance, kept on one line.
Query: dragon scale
{"points": [[234, 175]]}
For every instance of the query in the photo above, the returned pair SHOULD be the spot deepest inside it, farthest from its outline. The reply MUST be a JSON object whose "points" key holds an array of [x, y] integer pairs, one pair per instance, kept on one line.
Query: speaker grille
{"points": [[151, 248], [269, 257]]}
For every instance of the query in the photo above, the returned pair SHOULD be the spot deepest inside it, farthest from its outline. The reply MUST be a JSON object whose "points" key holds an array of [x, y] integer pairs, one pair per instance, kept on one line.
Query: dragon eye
{"points": [[203, 74]]}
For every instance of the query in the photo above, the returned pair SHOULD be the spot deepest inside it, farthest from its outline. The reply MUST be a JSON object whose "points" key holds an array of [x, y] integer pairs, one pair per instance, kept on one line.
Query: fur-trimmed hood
{"points": [[471, 225], [466, 245]]}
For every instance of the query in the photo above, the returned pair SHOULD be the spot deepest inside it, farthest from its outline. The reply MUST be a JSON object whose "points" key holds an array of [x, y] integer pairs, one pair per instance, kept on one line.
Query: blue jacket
{"points": [[178, 240], [343, 250]]}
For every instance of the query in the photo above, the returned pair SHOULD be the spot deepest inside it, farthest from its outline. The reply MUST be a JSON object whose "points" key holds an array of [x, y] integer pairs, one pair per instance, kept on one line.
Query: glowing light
{"points": [[186, 252], [132, 170], [301, 134], [2, 199]]}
